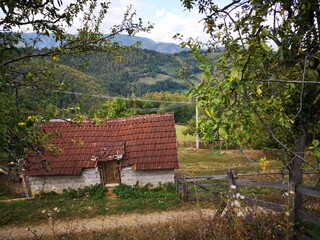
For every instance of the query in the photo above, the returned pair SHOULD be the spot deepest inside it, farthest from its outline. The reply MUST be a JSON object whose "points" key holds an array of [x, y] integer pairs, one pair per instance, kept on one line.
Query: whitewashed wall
{"points": [[153, 177], [88, 177], [91, 177]]}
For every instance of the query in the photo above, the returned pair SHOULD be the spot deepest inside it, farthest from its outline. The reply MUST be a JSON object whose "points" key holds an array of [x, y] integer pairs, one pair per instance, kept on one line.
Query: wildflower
{"points": [[20, 124], [234, 187], [240, 214], [236, 203]]}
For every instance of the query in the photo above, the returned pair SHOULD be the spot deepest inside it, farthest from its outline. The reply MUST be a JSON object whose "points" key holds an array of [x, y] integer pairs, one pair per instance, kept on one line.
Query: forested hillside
{"points": [[138, 71], [77, 82]]}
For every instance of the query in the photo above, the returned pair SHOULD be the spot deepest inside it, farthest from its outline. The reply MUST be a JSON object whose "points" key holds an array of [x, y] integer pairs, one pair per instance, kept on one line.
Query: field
{"points": [[214, 162], [128, 200], [181, 136], [95, 203]]}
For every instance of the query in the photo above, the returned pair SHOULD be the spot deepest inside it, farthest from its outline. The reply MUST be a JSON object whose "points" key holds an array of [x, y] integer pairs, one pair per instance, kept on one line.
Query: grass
{"points": [[181, 136], [7, 193], [90, 202], [216, 162], [201, 227], [197, 226]]}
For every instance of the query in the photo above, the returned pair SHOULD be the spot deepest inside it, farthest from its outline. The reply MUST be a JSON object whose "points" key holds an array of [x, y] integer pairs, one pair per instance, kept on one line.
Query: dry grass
{"points": [[212, 162], [198, 224]]}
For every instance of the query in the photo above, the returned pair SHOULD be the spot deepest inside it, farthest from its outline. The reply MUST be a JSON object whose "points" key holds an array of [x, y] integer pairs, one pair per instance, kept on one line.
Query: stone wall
{"points": [[153, 177], [88, 177]]}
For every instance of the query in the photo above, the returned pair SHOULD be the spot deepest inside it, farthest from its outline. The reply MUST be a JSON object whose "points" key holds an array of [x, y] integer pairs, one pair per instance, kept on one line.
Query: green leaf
{"points": [[265, 46], [315, 143], [223, 132], [317, 153]]}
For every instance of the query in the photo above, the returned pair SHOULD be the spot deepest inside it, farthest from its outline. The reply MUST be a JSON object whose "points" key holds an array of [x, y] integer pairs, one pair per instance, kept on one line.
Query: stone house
{"points": [[138, 149]]}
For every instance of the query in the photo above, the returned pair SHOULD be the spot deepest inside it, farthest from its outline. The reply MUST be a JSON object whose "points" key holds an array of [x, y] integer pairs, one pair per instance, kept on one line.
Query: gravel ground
{"points": [[67, 228]]}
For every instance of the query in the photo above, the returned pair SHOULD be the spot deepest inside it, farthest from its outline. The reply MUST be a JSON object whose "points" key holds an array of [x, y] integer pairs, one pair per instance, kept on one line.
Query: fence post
{"points": [[231, 175], [184, 189]]}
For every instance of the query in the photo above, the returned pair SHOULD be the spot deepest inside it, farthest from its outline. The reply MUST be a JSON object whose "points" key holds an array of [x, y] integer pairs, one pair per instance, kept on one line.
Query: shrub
{"points": [[137, 192], [93, 192]]}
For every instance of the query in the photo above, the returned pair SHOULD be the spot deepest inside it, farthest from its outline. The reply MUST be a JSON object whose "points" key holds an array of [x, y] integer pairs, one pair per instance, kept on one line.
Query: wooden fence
{"points": [[202, 145], [211, 187]]}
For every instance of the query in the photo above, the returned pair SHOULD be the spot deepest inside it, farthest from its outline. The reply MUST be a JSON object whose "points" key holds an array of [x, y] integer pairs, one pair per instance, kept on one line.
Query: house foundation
{"points": [[88, 177]]}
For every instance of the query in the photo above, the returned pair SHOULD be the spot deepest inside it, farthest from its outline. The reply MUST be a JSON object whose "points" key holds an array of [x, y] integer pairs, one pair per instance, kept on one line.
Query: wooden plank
{"points": [[309, 217], [309, 191], [179, 179], [206, 178], [192, 188], [215, 184], [253, 183], [206, 185], [260, 174], [269, 205], [210, 191]]}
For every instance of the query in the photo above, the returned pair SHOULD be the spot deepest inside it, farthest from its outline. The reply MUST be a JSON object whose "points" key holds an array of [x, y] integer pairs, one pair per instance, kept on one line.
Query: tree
{"points": [[268, 73], [23, 67], [114, 108]]}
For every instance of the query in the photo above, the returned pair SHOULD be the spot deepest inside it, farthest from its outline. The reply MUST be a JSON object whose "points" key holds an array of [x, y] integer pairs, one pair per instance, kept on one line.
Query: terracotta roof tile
{"points": [[147, 142]]}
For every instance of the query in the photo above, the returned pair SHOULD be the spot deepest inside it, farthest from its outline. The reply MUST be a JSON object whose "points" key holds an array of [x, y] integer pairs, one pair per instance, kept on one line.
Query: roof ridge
{"points": [[121, 119]]}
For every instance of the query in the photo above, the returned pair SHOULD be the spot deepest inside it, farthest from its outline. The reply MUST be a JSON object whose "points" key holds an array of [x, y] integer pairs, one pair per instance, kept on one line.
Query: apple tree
{"points": [[25, 67], [268, 74]]}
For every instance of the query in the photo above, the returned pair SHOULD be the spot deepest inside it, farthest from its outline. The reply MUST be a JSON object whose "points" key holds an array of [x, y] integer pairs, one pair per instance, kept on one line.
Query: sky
{"points": [[168, 17]]}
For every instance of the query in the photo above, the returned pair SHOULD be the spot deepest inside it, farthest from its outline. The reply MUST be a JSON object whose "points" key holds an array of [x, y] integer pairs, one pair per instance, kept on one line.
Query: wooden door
{"points": [[109, 172]]}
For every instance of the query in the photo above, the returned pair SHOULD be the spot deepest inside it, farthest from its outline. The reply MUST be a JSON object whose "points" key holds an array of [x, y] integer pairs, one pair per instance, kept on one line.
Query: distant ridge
{"points": [[124, 40]]}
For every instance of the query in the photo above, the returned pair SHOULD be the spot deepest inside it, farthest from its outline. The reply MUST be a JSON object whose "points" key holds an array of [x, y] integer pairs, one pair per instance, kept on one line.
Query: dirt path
{"points": [[66, 228]]}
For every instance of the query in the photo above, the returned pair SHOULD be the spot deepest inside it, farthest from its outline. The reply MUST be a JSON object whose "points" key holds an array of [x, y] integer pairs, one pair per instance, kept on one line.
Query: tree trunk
{"points": [[296, 177]]}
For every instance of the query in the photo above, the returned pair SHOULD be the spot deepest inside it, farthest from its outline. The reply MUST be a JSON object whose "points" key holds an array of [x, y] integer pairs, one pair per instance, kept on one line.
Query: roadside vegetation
{"points": [[201, 227], [90, 202]]}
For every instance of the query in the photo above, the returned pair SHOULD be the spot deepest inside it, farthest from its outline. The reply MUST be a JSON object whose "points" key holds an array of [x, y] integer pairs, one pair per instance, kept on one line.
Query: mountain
{"points": [[149, 44], [140, 71], [124, 40]]}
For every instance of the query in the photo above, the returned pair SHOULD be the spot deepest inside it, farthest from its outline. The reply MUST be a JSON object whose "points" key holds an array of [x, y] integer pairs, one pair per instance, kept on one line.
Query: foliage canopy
{"points": [[26, 69], [268, 74]]}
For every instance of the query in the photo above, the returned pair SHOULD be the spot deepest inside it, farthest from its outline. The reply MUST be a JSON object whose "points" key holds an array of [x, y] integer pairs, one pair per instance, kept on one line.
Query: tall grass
{"points": [[256, 225]]}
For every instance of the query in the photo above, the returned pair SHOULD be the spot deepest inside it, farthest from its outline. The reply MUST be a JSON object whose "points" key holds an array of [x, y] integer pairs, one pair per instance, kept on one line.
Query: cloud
{"points": [[168, 23], [113, 17], [167, 15], [160, 13]]}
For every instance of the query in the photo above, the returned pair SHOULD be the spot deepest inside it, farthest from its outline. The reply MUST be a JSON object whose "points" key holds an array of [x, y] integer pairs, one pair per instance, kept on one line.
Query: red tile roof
{"points": [[146, 142]]}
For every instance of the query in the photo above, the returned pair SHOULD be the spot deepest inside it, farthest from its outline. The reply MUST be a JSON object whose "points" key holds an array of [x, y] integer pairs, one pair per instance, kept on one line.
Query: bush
{"points": [[93, 192], [137, 192], [96, 191]]}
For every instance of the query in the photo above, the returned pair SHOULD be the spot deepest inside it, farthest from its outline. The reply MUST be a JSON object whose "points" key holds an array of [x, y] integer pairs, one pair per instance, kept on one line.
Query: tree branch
{"points": [[275, 137], [288, 81], [302, 88]]}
